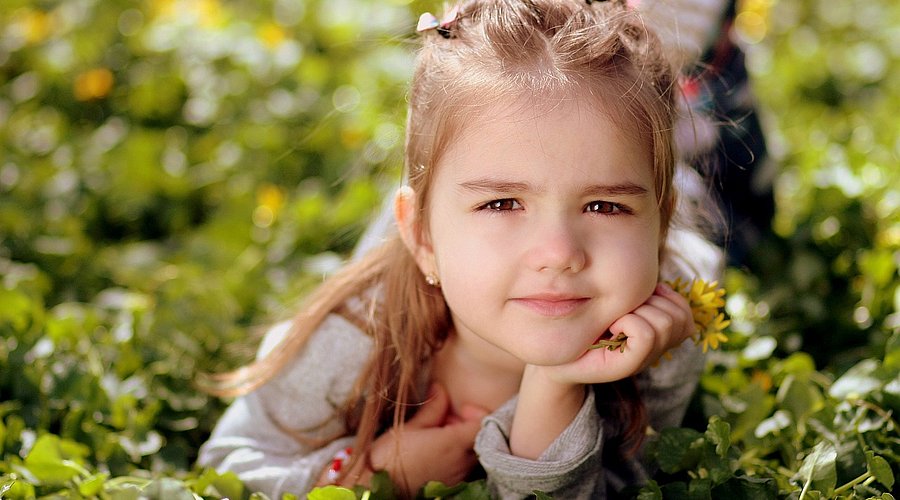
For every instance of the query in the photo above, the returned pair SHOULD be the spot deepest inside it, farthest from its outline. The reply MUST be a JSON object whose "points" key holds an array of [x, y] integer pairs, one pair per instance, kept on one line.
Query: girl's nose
{"points": [[557, 248]]}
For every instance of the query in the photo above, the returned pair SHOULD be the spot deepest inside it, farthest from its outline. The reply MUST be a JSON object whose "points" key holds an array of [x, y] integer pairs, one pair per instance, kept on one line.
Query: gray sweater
{"points": [[268, 436]]}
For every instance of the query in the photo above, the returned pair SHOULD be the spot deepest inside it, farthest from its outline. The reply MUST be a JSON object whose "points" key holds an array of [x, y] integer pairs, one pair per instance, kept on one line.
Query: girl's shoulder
{"points": [[326, 368], [335, 332]]}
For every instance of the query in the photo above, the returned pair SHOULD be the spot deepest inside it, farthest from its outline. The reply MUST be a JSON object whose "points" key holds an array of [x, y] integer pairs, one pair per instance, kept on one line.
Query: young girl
{"points": [[536, 221]]}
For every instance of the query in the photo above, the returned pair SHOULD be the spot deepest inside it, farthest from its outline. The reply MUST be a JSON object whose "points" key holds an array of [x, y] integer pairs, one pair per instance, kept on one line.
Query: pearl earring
{"points": [[432, 279]]}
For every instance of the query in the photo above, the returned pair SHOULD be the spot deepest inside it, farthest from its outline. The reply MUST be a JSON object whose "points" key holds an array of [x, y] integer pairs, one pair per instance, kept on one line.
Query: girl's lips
{"points": [[552, 306]]}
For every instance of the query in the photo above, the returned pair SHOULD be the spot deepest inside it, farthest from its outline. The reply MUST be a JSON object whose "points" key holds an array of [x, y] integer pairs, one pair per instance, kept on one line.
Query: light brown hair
{"points": [[495, 50]]}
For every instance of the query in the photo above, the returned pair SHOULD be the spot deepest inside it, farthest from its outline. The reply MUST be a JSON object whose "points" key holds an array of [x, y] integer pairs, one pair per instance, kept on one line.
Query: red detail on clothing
{"points": [[690, 88]]}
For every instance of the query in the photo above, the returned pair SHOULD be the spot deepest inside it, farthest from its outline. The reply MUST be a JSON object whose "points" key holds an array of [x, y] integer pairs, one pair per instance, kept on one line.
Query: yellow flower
{"points": [[713, 333], [706, 301]]}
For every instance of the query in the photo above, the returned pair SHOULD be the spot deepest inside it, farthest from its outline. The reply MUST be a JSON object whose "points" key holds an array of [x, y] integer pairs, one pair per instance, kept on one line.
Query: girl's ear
{"points": [[408, 225]]}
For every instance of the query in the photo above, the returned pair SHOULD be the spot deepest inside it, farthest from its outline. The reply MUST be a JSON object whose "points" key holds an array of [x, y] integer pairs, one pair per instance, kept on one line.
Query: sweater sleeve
{"points": [[569, 468], [279, 438]]}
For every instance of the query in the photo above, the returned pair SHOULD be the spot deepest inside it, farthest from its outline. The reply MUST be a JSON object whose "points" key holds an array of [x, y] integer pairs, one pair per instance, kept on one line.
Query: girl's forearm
{"points": [[544, 409]]}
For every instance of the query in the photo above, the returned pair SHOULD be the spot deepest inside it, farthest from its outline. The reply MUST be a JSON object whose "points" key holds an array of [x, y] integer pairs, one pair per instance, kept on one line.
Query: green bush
{"points": [[176, 173]]}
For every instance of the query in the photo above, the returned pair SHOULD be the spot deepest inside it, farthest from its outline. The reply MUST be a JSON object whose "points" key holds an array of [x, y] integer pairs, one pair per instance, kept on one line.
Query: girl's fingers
{"points": [[662, 322], [670, 315], [641, 344]]}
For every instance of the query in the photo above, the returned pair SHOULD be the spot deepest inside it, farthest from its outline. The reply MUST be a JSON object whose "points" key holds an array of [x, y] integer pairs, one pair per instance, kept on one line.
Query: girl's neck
{"points": [[472, 378]]}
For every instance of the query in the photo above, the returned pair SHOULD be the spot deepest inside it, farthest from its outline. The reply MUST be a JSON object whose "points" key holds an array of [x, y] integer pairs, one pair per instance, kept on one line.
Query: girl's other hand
{"points": [[435, 444], [661, 323]]}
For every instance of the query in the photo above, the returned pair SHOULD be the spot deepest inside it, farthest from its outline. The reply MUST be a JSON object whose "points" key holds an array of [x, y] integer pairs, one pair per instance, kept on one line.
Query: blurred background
{"points": [[176, 173]]}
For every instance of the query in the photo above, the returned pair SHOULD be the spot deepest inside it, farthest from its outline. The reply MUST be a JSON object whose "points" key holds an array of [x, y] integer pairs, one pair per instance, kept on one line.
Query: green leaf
{"points": [[818, 468], [747, 488], [718, 432], [650, 491], [857, 381], [12, 486], [675, 491], [756, 406], [48, 460], [892, 348], [124, 492], [779, 421], [93, 485], [475, 490], [436, 489], [167, 489], [381, 487], [331, 493], [799, 396], [760, 348], [880, 469], [798, 363], [674, 450], [226, 484], [700, 489], [15, 309]]}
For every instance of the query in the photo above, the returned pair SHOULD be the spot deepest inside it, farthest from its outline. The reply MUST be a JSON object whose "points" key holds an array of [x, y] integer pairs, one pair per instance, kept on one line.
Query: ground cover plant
{"points": [[174, 174]]}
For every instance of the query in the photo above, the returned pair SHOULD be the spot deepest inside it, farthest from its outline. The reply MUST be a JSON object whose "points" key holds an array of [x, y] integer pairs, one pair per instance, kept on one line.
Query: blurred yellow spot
{"points": [[93, 84], [162, 8], [205, 12], [271, 34], [270, 200], [210, 12], [762, 379], [752, 21], [889, 237], [352, 137], [33, 24]]}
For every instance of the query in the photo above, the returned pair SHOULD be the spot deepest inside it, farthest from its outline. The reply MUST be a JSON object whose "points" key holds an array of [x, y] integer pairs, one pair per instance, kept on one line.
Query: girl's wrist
{"points": [[545, 379], [545, 408]]}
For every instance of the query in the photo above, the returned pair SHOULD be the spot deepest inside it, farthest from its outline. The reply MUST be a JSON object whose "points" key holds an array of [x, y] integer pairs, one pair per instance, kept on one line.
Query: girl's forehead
{"points": [[601, 116], [541, 139]]}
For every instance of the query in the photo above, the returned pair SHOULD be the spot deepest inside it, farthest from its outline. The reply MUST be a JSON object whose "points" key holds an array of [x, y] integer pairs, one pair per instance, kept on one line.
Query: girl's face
{"points": [[544, 230]]}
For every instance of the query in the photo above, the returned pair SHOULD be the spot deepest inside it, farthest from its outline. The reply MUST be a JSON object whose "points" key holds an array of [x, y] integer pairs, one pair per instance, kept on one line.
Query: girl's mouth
{"points": [[552, 306]]}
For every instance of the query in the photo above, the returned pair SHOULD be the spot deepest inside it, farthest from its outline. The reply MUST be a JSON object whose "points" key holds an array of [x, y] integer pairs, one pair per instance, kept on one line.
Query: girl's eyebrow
{"points": [[621, 189], [488, 185]]}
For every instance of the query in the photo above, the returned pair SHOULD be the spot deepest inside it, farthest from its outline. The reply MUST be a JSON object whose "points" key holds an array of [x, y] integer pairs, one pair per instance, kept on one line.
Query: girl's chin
{"points": [[551, 358]]}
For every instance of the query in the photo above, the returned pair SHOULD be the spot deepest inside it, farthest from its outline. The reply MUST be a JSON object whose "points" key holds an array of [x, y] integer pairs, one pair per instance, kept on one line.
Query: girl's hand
{"points": [[661, 323], [434, 444], [551, 396]]}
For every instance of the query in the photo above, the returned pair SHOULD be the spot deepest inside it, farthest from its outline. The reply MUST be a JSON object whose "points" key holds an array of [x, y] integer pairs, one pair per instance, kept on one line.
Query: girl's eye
{"points": [[502, 205], [605, 208]]}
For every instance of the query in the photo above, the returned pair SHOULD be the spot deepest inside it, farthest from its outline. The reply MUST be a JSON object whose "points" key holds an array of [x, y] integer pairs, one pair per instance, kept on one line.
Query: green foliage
{"points": [[174, 172], [812, 438]]}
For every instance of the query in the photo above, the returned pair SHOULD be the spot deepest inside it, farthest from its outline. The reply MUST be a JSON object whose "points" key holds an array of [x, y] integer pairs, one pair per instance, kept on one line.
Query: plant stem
{"points": [[612, 344], [808, 481], [852, 483]]}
